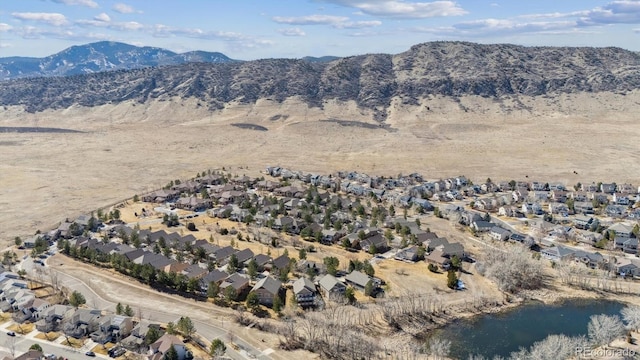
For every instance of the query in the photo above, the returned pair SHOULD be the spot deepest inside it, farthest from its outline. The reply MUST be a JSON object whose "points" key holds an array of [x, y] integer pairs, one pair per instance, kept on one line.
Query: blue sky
{"points": [[253, 29]]}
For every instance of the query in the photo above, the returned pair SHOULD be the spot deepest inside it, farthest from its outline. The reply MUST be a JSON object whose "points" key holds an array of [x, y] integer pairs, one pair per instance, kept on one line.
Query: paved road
{"points": [[21, 343], [170, 311]]}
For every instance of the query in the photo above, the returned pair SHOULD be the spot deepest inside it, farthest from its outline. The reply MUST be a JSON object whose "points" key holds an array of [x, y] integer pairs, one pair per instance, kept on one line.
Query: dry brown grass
{"points": [[73, 342], [103, 349], [50, 336], [64, 175], [21, 329]]}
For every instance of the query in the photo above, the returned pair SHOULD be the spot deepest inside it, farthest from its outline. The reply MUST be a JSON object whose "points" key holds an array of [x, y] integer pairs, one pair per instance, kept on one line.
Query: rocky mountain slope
{"points": [[451, 69], [98, 57]]}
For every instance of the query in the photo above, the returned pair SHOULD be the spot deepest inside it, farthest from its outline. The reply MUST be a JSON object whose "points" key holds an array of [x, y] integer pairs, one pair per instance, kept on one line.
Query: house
{"points": [[557, 253], [559, 196], [358, 280], [267, 289], [29, 355], [285, 223], [262, 260], [591, 260], [591, 188], [532, 208], [244, 256], [437, 258], [305, 292], [82, 323], [506, 211], [194, 271], [331, 288], [482, 226], [627, 267], [409, 254], [559, 208], [579, 196], [51, 318], [628, 245], [112, 329], [608, 188], [537, 196], [587, 237], [621, 199], [583, 207], [158, 349], [499, 234], [279, 263], [222, 254], [621, 230], [583, 222], [215, 276], [161, 196], [616, 211], [376, 242], [237, 282]]}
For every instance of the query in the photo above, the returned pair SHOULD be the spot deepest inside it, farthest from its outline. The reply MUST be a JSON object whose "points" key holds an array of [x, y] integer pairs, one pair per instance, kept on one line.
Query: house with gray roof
{"points": [[305, 292], [215, 276], [499, 234], [557, 253], [236, 281], [331, 288], [267, 289], [358, 280]]}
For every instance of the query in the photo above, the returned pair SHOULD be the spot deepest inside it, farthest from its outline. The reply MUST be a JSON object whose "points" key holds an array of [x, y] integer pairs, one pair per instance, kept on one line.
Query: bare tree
{"points": [[603, 329], [438, 347], [513, 270], [556, 347], [11, 345], [631, 316]]}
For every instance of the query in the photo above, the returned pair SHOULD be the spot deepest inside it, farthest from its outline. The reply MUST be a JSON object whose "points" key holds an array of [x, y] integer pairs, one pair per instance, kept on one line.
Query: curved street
{"points": [[104, 289]]}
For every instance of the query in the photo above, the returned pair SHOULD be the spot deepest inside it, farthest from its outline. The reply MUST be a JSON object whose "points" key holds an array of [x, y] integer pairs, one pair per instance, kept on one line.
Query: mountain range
{"points": [[450, 69], [98, 57]]}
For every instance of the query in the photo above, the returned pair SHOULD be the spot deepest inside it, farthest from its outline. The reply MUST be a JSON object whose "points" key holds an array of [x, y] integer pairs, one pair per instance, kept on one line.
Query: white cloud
{"points": [[404, 9], [5, 45], [234, 40], [102, 17], [485, 26], [310, 20], [118, 26], [637, 31], [615, 12], [555, 15], [88, 3], [5, 27], [129, 26], [123, 8], [54, 19], [32, 32], [357, 24], [291, 32], [338, 22]]}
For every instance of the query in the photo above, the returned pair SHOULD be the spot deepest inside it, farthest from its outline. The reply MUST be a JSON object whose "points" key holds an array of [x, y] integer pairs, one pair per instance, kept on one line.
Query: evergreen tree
{"points": [[452, 279], [171, 354]]}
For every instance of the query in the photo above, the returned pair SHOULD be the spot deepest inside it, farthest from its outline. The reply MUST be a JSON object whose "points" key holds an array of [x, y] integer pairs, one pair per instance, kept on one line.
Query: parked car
{"points": [[115, 352], [11, 333], [90, 353]]}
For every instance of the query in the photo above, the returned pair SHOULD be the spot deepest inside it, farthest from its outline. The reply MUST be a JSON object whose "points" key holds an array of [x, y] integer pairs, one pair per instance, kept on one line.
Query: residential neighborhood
{"points": [[304, 241]]}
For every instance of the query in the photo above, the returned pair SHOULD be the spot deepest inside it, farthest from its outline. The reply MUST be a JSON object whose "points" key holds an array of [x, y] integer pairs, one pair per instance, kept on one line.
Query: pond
{"points": [[502, 333]]}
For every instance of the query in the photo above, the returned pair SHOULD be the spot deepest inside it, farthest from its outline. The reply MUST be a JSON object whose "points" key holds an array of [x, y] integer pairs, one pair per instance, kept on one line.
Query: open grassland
{"points": [[132, 148]]}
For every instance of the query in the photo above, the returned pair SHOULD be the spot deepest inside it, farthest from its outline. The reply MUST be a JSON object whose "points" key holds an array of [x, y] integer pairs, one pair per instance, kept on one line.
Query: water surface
{"points": [[502, 333]]}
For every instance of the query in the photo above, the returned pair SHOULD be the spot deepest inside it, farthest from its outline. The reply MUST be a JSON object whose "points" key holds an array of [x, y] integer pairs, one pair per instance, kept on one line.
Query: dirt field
{"points": [[131, 148]]}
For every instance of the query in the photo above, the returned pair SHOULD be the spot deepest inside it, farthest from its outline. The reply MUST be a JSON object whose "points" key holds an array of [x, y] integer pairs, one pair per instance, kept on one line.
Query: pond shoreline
{"points": [[536, 328]]}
